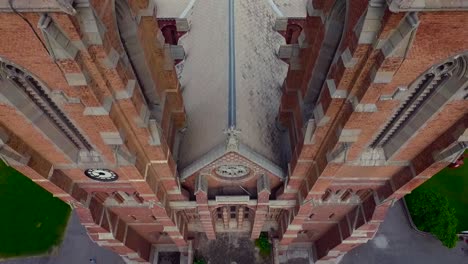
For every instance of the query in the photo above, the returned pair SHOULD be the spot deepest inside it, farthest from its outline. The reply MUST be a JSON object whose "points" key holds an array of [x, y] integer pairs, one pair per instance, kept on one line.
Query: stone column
{"points": [[190, 252], [226, 217], [263, 190], [201, 193], [240, 217], [275, 251]]}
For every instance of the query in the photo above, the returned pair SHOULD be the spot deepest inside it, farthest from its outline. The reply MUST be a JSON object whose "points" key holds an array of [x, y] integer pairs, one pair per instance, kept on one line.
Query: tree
{"points": [[431, 212], [263, 244]]}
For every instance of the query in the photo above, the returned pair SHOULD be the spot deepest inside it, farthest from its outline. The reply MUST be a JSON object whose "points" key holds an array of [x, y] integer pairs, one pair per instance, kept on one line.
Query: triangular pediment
{"points": [[221, 155]]}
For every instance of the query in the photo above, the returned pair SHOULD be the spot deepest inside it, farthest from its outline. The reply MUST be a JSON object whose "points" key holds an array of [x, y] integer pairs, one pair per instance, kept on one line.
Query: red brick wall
{"points": [[311, 173], [20, 46]]}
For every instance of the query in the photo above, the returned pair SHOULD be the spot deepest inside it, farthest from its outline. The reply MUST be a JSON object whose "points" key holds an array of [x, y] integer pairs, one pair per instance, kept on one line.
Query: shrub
{"points": [[263, 245], [431, 212], [199, 261]]}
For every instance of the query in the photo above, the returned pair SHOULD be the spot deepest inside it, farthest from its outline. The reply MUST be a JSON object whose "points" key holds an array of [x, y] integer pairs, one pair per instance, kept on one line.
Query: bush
{"points": [[431, 213], [199, 261], [264, 245]]}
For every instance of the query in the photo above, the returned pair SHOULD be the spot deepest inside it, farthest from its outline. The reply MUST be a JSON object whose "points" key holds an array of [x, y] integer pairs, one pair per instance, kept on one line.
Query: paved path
{"points": [[77, 248], [396, 242], [229, 248]]}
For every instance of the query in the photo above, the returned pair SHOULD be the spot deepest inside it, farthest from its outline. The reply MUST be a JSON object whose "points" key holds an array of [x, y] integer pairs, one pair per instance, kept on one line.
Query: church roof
{"points": [[205, 77], [173, 8], [291, 8]]}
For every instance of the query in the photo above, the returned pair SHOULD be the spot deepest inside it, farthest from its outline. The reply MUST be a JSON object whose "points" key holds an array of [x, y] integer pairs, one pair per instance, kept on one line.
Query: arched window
{"points": [[428, 94], [328, 193], [364, 193], [31, 97], [346, 195]]}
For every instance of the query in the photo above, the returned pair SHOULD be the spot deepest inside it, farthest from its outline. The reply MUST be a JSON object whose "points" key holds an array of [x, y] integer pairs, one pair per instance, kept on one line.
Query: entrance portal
{"points": [[233, 218]]}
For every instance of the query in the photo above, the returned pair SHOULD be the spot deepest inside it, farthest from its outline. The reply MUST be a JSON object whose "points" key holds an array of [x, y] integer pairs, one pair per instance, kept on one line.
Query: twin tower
{"points": [[163, 121]]}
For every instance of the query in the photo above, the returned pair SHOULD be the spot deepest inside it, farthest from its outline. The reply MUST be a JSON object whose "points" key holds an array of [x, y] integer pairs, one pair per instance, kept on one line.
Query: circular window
{"points": [[104, 175], [232, 171]]}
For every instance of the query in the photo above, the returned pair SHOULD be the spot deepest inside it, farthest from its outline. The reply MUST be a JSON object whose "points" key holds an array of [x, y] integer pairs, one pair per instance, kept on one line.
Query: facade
{"points": [[305, 119]]}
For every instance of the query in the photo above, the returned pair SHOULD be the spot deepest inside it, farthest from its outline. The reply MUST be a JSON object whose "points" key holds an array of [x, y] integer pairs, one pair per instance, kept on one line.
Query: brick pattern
{"points": [[311, 174], [249, 182], [260, 214], [127, 216], [100, 82], [205, 216]]}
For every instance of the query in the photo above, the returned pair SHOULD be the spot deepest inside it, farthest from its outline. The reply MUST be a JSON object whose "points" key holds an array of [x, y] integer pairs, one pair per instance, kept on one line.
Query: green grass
{"points": [[32, 220], [453, 184]]}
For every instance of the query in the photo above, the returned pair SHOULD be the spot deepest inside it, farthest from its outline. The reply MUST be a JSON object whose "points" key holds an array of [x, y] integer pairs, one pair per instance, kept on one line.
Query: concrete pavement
{"points": [[397, 242], [77, 248]]}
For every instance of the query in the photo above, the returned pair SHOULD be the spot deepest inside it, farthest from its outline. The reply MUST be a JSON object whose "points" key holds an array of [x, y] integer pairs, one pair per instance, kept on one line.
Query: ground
{"points": [[77, 248], [453, 184], [33, 221], [397, 242], [229, 249]]}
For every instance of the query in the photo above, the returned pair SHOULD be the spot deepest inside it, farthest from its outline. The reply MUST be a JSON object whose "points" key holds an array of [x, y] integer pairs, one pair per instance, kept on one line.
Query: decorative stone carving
{"points": [[39, 96], [232, 143], [232, 171], [427, 94]]}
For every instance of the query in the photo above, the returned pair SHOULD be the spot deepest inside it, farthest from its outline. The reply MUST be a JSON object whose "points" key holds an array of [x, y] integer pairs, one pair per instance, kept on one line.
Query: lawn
{"points": [[33, 221], [453, 184]]}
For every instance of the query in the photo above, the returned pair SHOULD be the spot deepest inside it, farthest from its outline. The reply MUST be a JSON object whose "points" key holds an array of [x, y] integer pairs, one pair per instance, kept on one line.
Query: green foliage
{"points": [[453, 184], [32, 219], [432, 213], [264, 245], [199, 261]]}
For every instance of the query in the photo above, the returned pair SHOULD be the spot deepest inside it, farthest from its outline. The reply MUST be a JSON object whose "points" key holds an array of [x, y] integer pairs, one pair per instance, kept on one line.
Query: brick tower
{"points": [[101, 106]]}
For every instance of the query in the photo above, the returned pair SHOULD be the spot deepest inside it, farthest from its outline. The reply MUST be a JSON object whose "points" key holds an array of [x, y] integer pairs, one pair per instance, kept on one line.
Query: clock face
{"points": [[232, 171], [104, 175]]}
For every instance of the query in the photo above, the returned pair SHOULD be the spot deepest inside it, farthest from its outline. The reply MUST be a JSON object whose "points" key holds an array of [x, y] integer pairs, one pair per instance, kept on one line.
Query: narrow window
{"points": [[326, 195]]}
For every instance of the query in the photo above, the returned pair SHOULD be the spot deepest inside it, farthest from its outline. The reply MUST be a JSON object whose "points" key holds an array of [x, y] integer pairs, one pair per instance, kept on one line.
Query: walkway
{"points": [[396, 242], [229, 248], [77, 248]]}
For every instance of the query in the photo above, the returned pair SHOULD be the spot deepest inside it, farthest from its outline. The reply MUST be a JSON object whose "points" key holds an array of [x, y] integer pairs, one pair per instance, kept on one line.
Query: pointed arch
{"points": [[31, 97], [427, 94]]}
